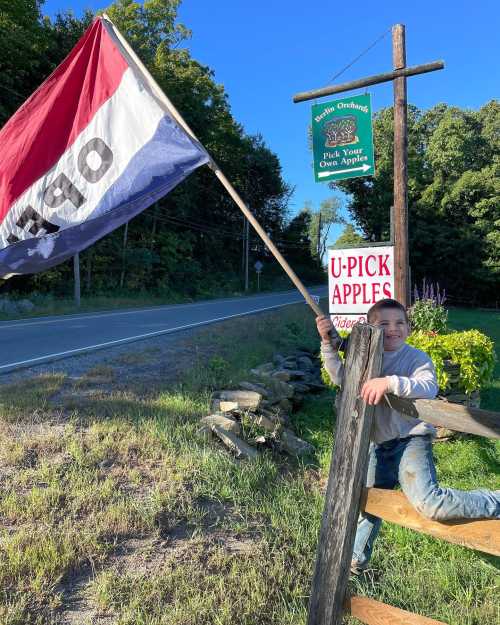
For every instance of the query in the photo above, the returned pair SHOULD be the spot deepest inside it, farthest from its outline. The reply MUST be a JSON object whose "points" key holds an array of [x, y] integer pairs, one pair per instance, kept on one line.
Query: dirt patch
{"points": [[139, 556], [76, 606]]}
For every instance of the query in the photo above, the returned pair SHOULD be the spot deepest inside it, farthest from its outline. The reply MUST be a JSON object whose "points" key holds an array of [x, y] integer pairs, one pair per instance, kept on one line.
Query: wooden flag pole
{"points": [[215, 168]]}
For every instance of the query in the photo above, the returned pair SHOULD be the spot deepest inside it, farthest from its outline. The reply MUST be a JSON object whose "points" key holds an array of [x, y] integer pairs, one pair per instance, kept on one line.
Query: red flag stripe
{"points": [[47, 124]]}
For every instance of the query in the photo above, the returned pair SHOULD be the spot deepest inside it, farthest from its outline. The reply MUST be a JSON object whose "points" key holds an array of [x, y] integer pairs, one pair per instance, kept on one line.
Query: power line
{"points": [[217, 230], [372, 45]]}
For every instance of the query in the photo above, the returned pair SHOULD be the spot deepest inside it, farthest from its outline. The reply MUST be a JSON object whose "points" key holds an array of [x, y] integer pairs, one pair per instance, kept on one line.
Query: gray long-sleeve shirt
{"points": [[410, 373]]}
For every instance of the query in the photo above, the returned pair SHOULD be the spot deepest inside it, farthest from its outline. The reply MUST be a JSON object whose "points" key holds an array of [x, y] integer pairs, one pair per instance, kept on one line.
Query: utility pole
{"points": [[318, 240], [76, 273], [124, 253], [247, 237], [401, 254], [243, 244]]}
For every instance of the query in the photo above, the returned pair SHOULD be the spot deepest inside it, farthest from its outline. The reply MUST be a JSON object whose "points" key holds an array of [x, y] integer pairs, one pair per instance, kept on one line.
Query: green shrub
{"points": [[428, 316], [471, 349]]}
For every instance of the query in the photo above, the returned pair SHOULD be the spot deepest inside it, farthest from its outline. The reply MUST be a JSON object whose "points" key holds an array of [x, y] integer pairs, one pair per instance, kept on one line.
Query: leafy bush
{"points": [[426, 315], [471, 349]]}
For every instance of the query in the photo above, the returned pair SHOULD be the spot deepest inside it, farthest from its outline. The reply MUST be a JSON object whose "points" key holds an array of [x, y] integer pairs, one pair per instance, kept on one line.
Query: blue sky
{"points": [[266, 50]]}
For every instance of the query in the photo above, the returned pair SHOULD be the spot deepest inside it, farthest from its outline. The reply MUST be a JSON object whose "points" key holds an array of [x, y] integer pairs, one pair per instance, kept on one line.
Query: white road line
{"points": [[130, 339], [7, 325]]}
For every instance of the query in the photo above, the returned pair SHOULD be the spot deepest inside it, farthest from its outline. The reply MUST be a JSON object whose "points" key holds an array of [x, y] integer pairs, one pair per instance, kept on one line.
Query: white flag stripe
{"points": [[125, 123]]}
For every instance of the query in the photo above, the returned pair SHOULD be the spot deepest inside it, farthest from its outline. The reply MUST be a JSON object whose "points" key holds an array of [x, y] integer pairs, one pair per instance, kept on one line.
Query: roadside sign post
{"points": [[258, 268], [343, 139], [398, 76]]}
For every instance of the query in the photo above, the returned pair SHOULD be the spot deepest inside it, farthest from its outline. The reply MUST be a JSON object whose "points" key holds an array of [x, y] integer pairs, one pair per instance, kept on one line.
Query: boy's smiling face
{"points": [[395, 327]]}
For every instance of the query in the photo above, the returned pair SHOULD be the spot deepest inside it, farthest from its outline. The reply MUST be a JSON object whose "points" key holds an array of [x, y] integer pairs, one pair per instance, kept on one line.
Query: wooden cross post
{"points": [[401, 253], [398, 76]]}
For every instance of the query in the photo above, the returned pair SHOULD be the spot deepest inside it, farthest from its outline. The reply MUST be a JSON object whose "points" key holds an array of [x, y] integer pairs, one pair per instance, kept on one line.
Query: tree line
{"points": [[192, 241], [453, 197]]}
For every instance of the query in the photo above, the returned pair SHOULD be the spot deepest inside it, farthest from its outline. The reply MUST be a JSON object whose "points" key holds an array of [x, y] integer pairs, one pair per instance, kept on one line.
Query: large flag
{"points": [[91, 148]]}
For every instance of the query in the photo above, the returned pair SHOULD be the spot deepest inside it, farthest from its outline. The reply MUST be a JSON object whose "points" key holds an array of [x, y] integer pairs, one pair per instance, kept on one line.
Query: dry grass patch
{"points": [[29, 399], [138, 357]]}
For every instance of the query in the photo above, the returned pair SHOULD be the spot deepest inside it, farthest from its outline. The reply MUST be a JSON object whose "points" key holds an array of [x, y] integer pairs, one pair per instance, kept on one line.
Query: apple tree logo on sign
{"points": [[340, 131]]}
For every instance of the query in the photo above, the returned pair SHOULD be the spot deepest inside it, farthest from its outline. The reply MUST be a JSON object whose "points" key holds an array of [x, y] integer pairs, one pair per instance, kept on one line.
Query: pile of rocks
{"points": [[256, 415]]}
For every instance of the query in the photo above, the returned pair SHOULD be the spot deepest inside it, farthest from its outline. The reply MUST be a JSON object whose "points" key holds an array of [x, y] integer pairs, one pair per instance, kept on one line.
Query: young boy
{"points": [[401, 447]]}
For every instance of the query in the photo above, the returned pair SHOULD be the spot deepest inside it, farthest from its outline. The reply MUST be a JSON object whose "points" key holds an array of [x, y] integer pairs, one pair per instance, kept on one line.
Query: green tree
{"points": [[191, 239], [296, 247], [22, 47], [453, 196], [349, 238], [321, 222]]}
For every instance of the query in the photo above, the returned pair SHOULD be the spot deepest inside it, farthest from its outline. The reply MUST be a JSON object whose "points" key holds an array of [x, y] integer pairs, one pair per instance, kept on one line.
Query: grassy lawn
{"points": [[113, 509]]}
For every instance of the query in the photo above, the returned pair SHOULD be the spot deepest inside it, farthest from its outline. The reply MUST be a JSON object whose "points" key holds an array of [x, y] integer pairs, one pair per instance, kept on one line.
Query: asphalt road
{"points": [[37, 340]]}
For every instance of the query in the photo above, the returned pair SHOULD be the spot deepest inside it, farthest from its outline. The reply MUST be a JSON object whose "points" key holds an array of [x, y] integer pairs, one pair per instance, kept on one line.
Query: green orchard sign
{"points": [[343, 139]]}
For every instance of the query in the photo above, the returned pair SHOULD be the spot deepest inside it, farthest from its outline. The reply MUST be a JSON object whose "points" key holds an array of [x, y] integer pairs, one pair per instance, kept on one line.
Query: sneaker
{"points": [[357, 568]]}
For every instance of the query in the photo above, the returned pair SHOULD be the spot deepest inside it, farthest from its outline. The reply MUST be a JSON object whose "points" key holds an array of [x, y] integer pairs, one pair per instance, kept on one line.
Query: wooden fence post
{"points": [[346, 479]]}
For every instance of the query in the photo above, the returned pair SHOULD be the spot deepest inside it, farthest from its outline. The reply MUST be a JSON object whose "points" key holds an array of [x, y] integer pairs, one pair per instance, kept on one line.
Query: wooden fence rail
{"points": [[392, 506], [374, 612], [345, 494], [446, 414]]}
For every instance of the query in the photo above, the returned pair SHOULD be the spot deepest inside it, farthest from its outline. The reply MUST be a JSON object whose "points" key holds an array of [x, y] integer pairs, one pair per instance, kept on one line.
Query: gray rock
{"points": [[264, 422], [218, 405], [264, 369], [234, 443], [300, 387], [315, 387], [280, 389], [256, 388], [225, 423], [305, 362], [244, 399], [282, 375], [296, 374], [294, 445]]}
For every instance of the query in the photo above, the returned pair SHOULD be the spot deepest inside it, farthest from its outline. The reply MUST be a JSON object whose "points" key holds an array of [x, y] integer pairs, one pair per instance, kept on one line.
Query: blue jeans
{"points": [[409, 462]]}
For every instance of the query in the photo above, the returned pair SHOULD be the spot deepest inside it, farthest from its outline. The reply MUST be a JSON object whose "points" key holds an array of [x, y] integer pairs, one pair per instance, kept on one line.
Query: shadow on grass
{"points": [[315, 423], [487, 451]]}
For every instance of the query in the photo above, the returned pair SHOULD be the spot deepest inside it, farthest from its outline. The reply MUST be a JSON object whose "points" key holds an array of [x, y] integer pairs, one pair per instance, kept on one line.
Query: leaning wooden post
{"points": [[401, 255], [346, 480]]}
